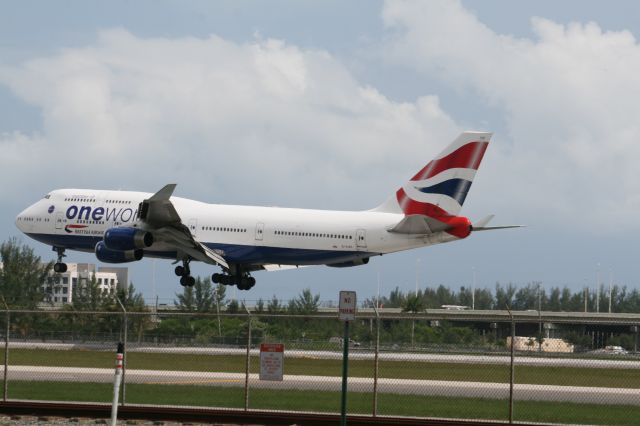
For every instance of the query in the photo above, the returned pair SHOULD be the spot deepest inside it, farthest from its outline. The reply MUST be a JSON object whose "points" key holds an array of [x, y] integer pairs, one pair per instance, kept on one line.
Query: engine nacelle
{"points": [[123, 239], [356, 262], [106, 255]]}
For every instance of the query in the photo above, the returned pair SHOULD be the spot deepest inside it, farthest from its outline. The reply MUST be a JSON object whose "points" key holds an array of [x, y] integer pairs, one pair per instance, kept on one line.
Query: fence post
{"points": [[123, 387], [512, 372], [6, 352], [375, 363], [248, 362]]}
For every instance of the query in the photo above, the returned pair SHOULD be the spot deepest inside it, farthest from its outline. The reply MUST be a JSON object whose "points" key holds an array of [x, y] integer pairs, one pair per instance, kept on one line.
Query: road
{"points": [[615, 361], [590, 395]]}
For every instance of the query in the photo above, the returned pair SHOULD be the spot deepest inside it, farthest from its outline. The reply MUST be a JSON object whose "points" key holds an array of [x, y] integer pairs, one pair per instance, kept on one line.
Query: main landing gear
{"points": [[244, 281], [59, 267], [184, 272]]}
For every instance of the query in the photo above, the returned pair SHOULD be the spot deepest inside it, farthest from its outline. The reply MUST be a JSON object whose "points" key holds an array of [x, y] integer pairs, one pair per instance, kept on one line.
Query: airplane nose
{"points": [[21, 223]]}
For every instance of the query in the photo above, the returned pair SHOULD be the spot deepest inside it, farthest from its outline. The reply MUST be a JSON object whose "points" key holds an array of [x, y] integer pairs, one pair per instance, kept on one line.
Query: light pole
{"points": [[598, 288], [473, 289], [610, 285], [417, 273]]}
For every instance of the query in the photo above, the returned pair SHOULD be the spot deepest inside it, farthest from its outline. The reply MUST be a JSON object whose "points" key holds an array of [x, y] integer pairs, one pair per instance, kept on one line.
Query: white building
{"points": [[59, 287]]}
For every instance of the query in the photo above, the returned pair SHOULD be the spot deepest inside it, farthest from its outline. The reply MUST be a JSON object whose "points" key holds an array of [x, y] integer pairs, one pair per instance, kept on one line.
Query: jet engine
{"points": [[124, 238], [106, 255]]}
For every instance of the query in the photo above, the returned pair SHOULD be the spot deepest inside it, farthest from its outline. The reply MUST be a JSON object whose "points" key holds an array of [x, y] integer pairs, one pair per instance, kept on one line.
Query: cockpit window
{"points": [[46, 197]]}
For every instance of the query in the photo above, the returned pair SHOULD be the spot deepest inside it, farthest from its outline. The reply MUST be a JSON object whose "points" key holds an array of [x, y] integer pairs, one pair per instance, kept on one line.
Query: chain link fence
{"points": [[398, 365]]}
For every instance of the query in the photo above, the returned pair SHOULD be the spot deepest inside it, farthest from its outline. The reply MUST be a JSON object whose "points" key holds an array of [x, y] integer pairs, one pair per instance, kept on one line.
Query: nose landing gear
{"points": [[59, 267]]}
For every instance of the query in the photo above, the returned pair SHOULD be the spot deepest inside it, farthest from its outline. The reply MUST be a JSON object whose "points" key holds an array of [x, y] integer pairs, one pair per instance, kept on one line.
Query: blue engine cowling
{"points": [[106, 255], [127, 239]]}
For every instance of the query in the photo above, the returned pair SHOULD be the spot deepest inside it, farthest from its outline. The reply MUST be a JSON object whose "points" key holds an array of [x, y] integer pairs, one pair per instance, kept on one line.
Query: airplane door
{"points": [[259, 231], [59, 221], [361, 239], [193, 226]]}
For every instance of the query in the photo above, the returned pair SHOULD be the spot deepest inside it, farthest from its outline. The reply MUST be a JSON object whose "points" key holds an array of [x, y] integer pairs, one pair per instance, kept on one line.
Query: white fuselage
{"points": [[77, 219]]}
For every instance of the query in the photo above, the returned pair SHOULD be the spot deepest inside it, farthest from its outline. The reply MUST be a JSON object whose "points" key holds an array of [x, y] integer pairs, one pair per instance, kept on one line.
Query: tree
{"points": [[131, 299], [199, 298], [22, 275], [306, 303], [220, 294], [260, 306], [484, 299], [504, 296], [274, 306], [413, 304], [186, 301], [203, 295], [233, 307], [396, 299], [87, 295]]}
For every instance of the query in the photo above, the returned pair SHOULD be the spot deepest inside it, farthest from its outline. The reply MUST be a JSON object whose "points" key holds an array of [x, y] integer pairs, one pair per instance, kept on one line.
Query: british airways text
{"points": [[101, 213]]}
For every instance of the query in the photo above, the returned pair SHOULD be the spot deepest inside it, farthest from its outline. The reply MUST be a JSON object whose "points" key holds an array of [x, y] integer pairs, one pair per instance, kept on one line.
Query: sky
{"points": [[334, 105]]}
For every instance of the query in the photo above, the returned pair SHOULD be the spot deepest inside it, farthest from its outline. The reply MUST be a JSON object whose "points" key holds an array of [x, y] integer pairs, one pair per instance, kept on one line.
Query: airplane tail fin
{"points": [[440, 188]]}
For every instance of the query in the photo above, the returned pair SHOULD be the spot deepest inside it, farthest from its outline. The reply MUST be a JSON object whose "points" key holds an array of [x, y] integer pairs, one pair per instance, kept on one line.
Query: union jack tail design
{"points": [[440, 188]]}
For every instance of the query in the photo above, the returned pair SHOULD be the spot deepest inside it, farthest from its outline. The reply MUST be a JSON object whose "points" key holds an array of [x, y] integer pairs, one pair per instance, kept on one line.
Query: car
{"points": [[338, 340]]}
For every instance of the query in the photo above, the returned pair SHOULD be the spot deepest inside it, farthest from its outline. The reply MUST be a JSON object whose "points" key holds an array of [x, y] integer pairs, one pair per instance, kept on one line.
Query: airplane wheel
{"points": [[60, 268], [246, 283], [226, 280], [242, 284], [179, 270], [191, 281], [183, 281], [215, 278]]}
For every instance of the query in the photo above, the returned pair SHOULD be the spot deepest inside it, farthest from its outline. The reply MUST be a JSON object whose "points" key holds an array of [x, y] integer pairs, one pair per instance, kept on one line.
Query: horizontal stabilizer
{"points": [[492, 228], [481, 225], [419, 224]]}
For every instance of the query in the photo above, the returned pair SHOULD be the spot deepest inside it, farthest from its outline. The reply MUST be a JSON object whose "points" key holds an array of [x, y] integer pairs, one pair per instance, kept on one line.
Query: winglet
{"points": [[165, 193]]}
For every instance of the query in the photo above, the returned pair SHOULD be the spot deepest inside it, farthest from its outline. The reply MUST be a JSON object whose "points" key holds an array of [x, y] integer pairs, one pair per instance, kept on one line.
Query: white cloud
{"points": [[227, 121], [568, 98]]}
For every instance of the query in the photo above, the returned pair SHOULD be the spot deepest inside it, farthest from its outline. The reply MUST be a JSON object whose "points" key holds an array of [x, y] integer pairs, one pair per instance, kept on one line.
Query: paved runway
{"points": [[591, 395]]}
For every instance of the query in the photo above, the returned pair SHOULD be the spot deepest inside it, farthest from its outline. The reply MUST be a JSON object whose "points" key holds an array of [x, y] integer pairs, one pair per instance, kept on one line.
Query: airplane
{"points": [[126, 226]]}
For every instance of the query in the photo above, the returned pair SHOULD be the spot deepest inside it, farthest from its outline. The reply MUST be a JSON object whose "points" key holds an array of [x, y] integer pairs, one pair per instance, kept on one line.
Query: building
{"points": [[59, 288]]}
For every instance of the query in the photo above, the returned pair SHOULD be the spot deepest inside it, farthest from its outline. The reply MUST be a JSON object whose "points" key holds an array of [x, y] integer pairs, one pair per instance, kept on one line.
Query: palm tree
{"points": [[414, 304]]}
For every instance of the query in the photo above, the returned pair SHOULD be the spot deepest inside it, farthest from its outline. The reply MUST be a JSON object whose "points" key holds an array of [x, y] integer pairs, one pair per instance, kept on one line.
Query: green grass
{"points": [[567, 376], [358, 403]]}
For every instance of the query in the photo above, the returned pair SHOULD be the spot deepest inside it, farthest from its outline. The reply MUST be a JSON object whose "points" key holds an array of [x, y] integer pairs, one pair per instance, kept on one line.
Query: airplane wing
{"points": [[273, 267], [161, 218]]}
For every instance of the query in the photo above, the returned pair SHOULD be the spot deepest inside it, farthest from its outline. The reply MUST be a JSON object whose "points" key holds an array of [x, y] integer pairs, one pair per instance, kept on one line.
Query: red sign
{"points": [[347, 306], [271, 361]]}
